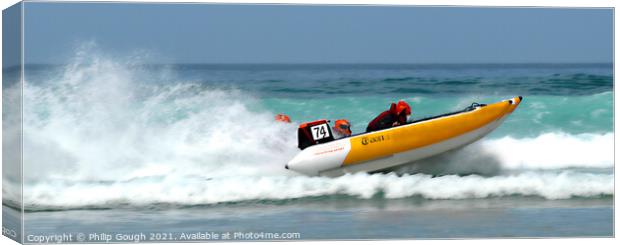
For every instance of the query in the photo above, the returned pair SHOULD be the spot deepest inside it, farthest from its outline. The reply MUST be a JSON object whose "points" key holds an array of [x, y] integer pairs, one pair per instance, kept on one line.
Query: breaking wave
{"points": [[196, 191], [101, 132]]}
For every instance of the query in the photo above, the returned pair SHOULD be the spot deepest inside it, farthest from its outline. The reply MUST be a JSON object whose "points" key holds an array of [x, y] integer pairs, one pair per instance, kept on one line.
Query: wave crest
{"points": [[197, 191], [106, 133]]}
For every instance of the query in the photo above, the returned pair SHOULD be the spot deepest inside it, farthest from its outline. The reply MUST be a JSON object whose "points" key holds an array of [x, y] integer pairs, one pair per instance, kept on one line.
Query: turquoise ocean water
{"points": [[117, 146]]}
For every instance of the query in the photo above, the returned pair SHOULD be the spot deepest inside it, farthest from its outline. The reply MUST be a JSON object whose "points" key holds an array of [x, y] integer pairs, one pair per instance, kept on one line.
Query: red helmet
{"points": [[283, 118], [403, 106], [343, 127]]}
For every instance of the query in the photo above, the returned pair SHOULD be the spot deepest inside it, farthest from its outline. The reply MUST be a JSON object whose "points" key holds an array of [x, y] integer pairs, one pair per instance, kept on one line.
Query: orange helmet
{"points": [[403, 106], [283, 118], [343, 127]]}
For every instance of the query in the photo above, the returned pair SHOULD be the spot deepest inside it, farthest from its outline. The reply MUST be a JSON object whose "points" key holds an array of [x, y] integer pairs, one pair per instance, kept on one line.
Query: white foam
{"points": [[99, 120], [553, 150], [490, 157], [195, 191], [101, 133]]}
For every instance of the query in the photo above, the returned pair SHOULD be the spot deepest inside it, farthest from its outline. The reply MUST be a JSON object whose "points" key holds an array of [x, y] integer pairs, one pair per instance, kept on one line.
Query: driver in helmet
{"points": [[283, 118], [341, 128], [395, 116]]}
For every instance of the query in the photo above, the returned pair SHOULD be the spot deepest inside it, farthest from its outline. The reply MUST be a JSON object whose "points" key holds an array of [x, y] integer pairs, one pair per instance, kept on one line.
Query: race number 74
{"points": [[320, 132]]}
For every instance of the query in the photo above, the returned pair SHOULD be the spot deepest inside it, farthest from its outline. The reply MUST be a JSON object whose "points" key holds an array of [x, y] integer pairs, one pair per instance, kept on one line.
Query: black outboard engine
{"points": [[312, 133]]}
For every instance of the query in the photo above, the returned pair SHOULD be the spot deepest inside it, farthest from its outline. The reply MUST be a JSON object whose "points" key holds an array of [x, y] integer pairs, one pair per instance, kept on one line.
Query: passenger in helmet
{"points": [[342, 128], [283, 118], [395, 116]]}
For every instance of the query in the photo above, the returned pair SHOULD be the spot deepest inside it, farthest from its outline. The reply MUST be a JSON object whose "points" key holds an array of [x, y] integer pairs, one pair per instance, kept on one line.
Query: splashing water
{"points": [[103, 131]]}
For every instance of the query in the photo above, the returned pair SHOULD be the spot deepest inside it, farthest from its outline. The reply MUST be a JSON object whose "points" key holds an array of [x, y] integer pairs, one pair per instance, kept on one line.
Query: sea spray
{"points": [[100, 123], [108, 133]]}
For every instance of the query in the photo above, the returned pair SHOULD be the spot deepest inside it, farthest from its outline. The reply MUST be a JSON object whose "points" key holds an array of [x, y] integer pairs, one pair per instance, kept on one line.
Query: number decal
{"points": [[320, 132]]}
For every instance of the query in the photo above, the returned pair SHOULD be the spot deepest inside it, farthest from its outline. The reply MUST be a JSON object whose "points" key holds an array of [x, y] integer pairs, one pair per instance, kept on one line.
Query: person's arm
{"points": [[401, 119]]}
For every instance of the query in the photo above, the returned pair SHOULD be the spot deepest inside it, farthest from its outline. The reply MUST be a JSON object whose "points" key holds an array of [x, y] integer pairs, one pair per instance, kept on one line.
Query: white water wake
{"points": [[100, 133], [198, 191]]}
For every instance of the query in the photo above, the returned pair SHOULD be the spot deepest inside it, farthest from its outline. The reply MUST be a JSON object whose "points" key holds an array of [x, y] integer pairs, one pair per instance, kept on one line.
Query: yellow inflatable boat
{"points": [[378, 150]]}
